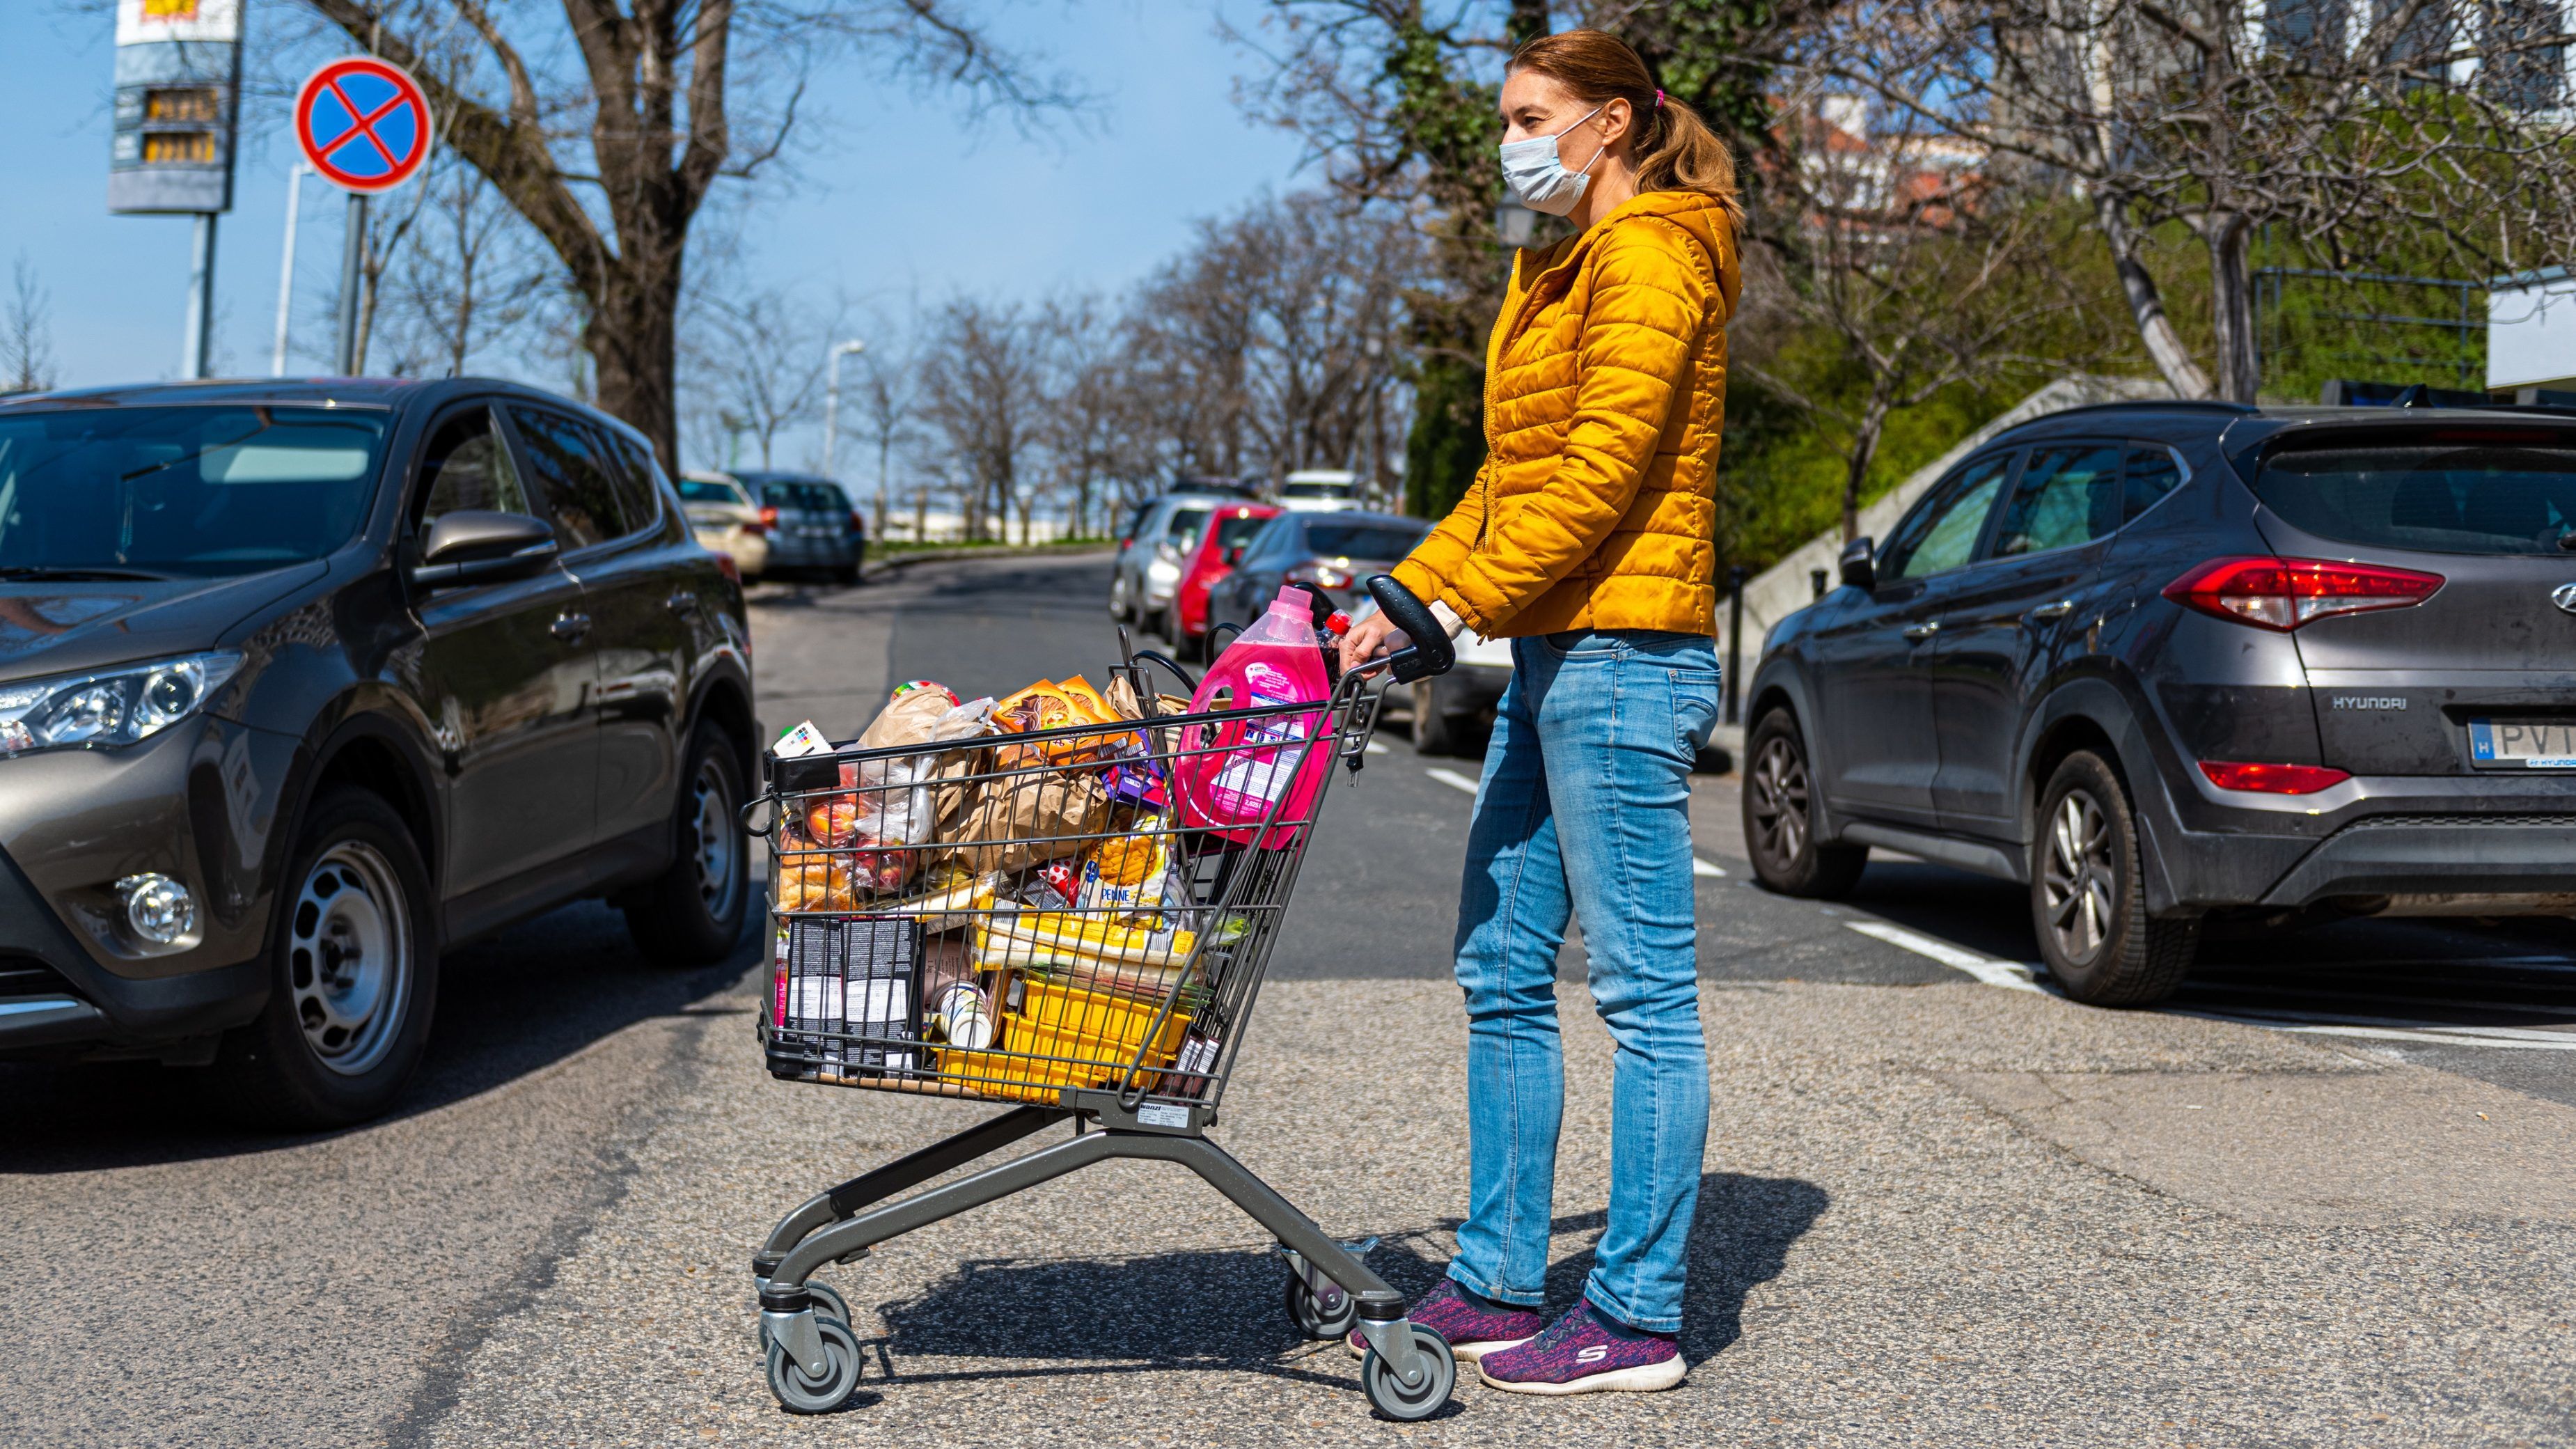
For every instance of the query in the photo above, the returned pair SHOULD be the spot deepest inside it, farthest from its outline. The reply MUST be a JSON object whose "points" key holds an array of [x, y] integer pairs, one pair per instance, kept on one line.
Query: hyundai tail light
{"points": [[2272, 779], [2284, 593]]}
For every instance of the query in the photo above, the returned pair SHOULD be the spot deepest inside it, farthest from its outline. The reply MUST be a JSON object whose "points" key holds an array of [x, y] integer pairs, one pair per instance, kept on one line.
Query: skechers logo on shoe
{"points": [[1594, 1354]]}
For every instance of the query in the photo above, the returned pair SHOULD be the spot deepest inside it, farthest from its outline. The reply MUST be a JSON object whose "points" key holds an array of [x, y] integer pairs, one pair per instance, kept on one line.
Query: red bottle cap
{"points": [[1340, 623]]}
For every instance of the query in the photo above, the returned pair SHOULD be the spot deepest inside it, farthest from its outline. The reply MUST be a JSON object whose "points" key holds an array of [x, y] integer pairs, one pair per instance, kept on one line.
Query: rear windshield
{"points": [[811, 497], [184, 490], [1184, 528], [1362, 540], [1237, 531], [2440, 496], [1314, 490], [707, 490]]}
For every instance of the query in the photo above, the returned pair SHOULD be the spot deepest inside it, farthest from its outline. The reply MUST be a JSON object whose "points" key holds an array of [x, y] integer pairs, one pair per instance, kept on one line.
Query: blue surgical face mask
{"points": [[1537, 175]]}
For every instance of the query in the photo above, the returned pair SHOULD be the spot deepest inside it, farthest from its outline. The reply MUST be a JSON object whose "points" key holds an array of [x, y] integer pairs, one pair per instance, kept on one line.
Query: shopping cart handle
{"points": [[1430, 652]]}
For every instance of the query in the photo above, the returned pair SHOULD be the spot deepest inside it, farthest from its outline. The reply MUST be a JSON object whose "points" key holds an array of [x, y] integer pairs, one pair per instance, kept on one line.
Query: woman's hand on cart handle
{"points": [[1418, 636], [1368, 639]]}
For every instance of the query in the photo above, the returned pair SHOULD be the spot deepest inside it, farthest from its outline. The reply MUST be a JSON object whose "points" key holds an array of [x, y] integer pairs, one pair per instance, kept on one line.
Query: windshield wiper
{"points": [[49, 574]]}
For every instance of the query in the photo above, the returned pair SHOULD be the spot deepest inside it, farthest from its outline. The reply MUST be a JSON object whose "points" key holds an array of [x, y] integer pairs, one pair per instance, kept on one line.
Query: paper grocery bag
{"points": [[1020, 820]]}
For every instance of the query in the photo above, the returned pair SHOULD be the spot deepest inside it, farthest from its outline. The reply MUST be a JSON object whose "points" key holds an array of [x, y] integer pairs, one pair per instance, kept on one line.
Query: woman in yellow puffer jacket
{"points": [[1588, 540]]}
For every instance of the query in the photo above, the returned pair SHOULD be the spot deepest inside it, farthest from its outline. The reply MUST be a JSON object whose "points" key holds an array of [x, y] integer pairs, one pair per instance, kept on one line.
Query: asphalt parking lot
{"points": [[2322, 1200]]}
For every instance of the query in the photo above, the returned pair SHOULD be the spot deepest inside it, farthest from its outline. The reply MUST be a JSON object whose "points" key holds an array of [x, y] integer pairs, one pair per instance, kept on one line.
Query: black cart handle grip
{"points": [[1431, 652]]}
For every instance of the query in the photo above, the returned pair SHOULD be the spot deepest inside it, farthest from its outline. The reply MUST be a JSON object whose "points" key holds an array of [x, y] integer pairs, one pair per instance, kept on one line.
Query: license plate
{"points": [[815, 532], [2532, 744]]}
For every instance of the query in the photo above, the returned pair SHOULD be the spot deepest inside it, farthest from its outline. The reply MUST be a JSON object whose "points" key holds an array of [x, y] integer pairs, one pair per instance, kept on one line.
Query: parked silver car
{"points": [[1156, 536]]}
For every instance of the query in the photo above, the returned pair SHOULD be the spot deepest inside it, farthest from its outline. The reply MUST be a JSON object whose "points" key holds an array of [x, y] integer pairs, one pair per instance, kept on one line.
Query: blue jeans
{"points": [[1583, 812]]}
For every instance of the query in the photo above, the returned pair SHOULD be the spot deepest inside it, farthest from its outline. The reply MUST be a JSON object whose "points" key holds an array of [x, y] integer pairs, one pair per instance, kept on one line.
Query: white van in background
{"points": [[1320, 490]]}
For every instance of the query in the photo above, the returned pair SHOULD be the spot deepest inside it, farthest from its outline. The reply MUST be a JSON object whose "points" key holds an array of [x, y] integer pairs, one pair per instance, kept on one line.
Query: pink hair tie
{"points": [[1659, 100]]}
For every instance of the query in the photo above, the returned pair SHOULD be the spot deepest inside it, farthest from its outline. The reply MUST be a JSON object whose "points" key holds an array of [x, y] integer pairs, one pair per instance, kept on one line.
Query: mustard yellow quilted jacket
{"points": [[1605, 387]]}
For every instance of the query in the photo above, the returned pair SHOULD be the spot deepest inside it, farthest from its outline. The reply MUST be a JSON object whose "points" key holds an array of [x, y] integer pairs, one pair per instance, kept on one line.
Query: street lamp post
{"points": [[832, 401]]}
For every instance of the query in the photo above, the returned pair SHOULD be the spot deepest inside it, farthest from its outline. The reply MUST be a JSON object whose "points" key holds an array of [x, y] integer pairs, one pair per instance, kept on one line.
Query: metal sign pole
{"points": [[353, 252], [286, 266], [201, 299]]}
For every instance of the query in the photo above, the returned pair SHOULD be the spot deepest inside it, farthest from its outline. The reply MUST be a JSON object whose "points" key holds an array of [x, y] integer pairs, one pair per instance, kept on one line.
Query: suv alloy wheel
{"points": [[356, 958], [1780, 817], [692, 914], [2091, 919]]}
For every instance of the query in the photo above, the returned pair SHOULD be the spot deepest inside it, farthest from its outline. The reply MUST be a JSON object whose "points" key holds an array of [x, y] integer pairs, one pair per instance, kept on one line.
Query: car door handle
{"points": [[570, 627], [1920, 632], [2056, 609], [681, 601]]}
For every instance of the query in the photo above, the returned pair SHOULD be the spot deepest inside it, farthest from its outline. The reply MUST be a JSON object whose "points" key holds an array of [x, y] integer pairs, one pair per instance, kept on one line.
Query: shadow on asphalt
{"points": [[508, 1007], [1225, 1309]]}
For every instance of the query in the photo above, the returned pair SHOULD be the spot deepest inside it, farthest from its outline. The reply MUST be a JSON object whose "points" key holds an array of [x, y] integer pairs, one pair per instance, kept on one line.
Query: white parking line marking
{"points": [[2290, 1020], [2010, 975], [2431, 1038], [1452, 779], [1375, 748], [1707, 869], [2017, 977]]}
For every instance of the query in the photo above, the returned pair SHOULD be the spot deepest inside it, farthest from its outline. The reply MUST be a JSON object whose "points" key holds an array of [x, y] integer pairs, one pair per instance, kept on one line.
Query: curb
{"points": [[880, 563]]}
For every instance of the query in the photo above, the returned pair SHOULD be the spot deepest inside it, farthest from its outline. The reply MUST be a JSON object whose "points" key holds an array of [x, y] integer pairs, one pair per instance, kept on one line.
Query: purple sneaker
{"points": [[1472, 1332], [1578, 1354]]}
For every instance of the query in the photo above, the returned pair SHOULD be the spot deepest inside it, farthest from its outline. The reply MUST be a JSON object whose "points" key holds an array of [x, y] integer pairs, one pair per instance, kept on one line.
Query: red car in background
{"points": [[1229, 527]]}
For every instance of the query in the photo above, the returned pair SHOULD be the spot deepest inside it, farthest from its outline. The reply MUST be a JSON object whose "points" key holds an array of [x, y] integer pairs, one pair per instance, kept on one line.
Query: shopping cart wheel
{"points": [[799, 1394], [1332, 1315], [1387, 1394], [828, 1303]]}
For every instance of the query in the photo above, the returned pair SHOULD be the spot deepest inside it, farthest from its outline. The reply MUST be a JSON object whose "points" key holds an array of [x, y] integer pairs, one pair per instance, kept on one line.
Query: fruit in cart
{"points": [[1052, 705], [833, 821]]}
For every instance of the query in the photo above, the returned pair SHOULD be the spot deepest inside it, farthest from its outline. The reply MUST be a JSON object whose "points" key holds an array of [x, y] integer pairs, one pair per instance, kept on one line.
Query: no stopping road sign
{"points": [[363, 124]]}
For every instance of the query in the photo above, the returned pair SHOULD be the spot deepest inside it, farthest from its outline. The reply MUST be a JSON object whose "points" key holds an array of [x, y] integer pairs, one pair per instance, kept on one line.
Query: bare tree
{"points": [[607, 128], [1920, 271], [885, 396], [26, 332], [983, 390], [1268, 345], [762, 363], [2336, 130], [466, 282]]}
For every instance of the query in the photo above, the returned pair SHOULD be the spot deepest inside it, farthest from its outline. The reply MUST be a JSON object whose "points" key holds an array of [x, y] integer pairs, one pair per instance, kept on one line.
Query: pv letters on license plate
{"points": [[2530, 743]]}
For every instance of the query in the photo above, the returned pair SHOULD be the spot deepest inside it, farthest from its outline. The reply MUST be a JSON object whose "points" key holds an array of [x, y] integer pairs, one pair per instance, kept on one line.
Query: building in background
{"points": [[2531, 334]]}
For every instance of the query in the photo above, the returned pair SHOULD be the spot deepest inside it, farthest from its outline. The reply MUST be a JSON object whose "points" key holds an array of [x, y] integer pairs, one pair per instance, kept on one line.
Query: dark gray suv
{"points": [[2163, 660], [303, 682]]}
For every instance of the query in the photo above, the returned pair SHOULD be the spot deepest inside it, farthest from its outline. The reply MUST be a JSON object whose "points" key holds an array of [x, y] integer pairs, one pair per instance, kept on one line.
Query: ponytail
{"points": [[1674, 149]]}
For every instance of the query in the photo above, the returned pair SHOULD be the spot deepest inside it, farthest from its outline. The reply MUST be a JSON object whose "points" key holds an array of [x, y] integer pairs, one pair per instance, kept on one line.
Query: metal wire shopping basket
{"points": [[1074, 920]]}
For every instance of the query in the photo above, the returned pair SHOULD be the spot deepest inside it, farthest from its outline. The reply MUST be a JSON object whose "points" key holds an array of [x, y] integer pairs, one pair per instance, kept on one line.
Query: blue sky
{"points": [[896, 195]]}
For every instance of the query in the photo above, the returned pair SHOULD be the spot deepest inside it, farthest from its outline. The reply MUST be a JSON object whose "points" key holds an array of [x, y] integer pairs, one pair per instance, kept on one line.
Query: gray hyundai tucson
{"points": [[302, 683], [2164, 661]]}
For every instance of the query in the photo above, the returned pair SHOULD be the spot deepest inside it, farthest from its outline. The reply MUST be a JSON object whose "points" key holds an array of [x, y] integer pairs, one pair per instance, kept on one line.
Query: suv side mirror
{"points": [[475, 546], [1860, 568]]}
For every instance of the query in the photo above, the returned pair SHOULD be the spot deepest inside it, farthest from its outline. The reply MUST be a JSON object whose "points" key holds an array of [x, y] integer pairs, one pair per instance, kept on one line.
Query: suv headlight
{"points": [[110, 707]]}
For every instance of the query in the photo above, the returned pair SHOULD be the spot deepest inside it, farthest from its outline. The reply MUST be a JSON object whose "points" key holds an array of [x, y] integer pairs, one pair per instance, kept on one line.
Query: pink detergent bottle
{"points": [[1232, 774]]}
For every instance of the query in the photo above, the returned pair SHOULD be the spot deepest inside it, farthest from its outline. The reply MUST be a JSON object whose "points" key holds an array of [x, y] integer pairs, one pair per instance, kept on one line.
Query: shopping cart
{"points": [[1083, 934]]}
